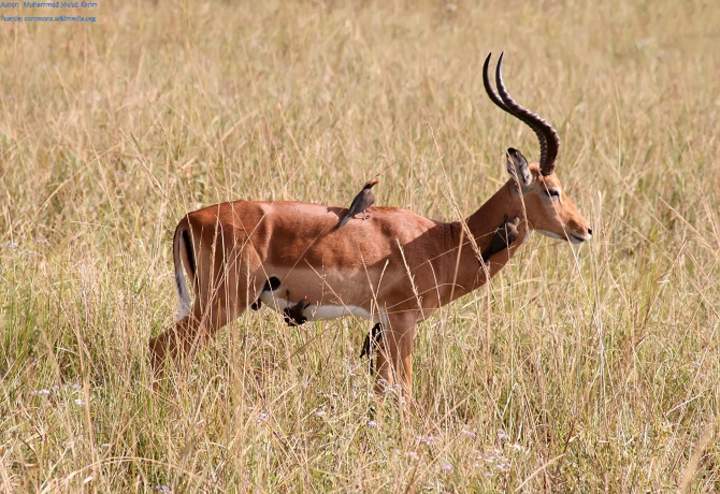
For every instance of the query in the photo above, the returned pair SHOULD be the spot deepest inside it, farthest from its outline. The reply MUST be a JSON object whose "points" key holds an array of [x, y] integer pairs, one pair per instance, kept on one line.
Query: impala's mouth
{"points": [[573, 238], [577, 239]]}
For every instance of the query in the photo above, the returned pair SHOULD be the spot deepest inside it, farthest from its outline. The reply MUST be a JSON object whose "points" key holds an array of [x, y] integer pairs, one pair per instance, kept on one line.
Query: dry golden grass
{"points": [[595, 370]]}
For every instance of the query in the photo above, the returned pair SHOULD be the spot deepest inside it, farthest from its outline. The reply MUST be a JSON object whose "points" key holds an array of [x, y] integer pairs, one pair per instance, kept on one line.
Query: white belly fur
{"points": [[315, 312]]}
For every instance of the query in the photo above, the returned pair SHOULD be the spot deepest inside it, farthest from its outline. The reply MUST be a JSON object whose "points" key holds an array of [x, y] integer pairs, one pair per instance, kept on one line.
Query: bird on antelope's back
{"points": [[362, 201], [502, 238]]}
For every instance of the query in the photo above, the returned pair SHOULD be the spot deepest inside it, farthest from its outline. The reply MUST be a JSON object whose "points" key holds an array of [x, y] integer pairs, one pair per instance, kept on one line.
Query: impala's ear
{"points": [[517, 166]]}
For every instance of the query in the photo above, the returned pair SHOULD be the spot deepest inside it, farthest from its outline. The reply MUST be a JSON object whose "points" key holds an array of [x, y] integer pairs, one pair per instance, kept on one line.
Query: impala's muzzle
{"points": [[579, 236], [573, 226]]}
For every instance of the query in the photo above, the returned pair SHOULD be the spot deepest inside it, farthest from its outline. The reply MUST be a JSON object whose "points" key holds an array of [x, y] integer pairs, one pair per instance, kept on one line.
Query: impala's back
{"points": [[350, 270]]}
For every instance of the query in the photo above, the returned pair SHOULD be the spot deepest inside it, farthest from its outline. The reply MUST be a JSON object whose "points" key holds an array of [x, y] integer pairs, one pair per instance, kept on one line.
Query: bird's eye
{"points": [[553, 193]]}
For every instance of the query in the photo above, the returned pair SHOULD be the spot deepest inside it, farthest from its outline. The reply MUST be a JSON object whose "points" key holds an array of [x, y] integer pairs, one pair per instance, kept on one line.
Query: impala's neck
{"points": [[503, 205]]}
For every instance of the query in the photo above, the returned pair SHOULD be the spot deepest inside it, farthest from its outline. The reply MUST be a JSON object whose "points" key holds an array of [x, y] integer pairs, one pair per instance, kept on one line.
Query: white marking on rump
{"points": [[183, 306], [182, 310], [315, 312]]}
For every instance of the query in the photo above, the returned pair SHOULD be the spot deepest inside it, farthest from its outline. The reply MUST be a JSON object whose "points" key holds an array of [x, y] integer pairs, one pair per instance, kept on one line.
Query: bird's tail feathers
{"points": [[343, 220]]}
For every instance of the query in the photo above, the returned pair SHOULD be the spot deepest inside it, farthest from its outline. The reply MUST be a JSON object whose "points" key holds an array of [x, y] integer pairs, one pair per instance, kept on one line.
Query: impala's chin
{"points": [[551, 234], [573, 238]]}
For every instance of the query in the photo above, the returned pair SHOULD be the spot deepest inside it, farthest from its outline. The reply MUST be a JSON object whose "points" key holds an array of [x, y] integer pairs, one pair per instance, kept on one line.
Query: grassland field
{"points": [[575, 370]]}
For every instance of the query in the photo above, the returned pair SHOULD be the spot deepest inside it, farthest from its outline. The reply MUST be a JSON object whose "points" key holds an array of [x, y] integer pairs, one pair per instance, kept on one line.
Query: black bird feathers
{"points": [[362, 201], [502, 238]]}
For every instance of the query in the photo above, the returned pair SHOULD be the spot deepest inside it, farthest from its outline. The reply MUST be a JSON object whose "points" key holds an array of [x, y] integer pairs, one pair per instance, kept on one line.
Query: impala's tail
{"points": [[182, 245]]}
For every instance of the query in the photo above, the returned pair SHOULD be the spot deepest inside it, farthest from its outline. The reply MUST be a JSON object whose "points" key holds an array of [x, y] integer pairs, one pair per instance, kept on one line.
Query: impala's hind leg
{"points": [[191, 332], [219, 300], [205, 318], [187, 335]]}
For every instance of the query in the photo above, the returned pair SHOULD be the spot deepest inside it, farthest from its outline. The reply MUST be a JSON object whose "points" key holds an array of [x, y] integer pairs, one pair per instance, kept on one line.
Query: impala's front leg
{"points": [[371, 343], [394, 360]]}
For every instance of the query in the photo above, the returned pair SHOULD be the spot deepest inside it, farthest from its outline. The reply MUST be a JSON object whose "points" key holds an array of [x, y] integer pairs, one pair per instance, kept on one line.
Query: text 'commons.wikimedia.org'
{"points": [[48, 12]]}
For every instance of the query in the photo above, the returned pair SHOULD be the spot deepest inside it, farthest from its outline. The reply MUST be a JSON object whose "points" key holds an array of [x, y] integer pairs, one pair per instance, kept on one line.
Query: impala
{"points": [[394, 268]]}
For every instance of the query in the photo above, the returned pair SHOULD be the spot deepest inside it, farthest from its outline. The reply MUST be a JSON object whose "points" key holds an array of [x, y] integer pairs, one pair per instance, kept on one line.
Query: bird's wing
{"points": [[355, 205], [350, 212]]}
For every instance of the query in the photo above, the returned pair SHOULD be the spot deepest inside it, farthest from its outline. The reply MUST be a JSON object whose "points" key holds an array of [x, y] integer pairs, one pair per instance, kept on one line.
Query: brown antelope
{"points": [[395, 268]]}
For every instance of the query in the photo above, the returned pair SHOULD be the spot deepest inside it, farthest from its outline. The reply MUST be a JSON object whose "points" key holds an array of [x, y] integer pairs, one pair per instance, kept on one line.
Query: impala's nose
{"points": [[590, 231]]}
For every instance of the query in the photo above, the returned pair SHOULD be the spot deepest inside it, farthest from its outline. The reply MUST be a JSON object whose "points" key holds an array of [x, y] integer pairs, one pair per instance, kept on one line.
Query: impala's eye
{"points": [[553, 193]]}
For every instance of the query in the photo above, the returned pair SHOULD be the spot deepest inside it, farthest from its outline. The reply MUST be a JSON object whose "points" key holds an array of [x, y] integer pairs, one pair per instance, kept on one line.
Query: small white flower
{"points": [[41, 392], [263, 417], [427, 440], [163, 489], [494, 456], [468, 433], [320, 412], [446, 467], [79, 402], [413, 455], [372, 424], [518, 447]]}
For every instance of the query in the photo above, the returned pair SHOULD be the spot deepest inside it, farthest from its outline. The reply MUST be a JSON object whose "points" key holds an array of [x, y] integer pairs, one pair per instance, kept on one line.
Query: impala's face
{"points": [[549, 210]]}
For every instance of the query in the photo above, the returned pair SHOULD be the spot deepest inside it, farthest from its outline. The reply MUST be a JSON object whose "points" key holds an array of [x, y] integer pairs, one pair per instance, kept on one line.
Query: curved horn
{"points": [[547, 136], [488, 87], [496, 99]]}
